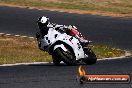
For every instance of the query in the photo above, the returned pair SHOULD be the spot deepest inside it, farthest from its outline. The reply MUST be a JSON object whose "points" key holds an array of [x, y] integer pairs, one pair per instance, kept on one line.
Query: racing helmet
{"points": [[43, 21], [42, 24]]}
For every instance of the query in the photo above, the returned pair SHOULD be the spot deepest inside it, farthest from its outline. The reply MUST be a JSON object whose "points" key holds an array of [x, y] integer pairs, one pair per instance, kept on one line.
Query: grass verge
{"points": [[122, 7], [21, 50]]}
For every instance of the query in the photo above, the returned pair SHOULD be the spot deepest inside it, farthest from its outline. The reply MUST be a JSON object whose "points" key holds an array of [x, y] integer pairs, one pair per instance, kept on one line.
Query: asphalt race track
{"points": [[114, 31]]}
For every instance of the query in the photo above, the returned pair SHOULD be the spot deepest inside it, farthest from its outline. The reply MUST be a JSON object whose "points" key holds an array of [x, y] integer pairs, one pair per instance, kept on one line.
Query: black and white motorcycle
{"points": [[65, 48]]}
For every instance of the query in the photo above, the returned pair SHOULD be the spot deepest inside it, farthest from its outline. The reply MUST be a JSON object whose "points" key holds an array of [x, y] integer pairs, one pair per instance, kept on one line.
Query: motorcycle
{"points": [[64, 47]]}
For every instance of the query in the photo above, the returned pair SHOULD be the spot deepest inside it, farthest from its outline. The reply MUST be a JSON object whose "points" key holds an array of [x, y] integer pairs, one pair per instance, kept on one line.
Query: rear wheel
{"points": [[66, 56]]}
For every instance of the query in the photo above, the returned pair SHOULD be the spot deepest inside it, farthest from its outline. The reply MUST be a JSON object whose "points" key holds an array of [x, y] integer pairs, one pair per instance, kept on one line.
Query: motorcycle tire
{"points": [[91, 59], [67, 57], [56, 61]]}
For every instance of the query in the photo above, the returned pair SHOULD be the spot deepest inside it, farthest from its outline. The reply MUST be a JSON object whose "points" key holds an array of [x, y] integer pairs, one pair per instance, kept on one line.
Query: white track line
{"points": [[32, 63], [17, 35], [31, 37], [2, 33], [8, 34], [23, 36]]}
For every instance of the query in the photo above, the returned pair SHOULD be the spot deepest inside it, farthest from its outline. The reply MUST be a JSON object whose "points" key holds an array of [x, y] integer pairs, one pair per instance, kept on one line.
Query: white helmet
{"points": [[43, 20]]}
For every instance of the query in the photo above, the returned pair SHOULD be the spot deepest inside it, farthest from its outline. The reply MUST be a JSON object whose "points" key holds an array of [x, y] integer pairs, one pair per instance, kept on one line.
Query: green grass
{"points": [[120, 7], [20, 50], [106, 51]]}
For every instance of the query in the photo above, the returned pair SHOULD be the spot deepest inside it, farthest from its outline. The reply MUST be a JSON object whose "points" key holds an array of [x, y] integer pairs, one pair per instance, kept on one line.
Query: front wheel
{"points": [[91, 59], [66, 56], [56, 61]]}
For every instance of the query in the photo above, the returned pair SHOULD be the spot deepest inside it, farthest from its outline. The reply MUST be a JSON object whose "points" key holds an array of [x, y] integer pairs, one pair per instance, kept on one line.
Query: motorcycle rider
{"points": [[44, 25]]}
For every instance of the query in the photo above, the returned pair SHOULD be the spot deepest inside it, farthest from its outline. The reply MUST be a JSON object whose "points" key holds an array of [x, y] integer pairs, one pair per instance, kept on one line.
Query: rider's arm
{"points": [[62, 28]]}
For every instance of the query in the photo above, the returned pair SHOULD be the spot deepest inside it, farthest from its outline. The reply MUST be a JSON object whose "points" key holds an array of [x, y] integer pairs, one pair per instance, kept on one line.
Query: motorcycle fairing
{"points": [[53, 36]]}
